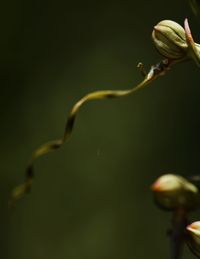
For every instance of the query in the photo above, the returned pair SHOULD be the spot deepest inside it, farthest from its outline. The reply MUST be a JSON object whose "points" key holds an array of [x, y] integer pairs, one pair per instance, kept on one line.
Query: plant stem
{"points": [[177, 233], [154, 72]]}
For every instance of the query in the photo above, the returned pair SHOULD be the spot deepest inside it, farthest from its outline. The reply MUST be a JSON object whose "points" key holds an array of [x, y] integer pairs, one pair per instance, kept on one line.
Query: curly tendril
{"points": [[154, 72], [173, 42]]}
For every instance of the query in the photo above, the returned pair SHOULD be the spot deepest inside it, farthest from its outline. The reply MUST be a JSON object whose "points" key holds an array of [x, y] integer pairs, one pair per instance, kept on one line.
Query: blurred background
{"points": [[92, 198]]}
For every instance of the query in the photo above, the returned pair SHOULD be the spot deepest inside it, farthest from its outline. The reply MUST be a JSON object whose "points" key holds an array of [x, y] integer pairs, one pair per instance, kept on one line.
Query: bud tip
{"points": [[156, 187], [194, 226]]}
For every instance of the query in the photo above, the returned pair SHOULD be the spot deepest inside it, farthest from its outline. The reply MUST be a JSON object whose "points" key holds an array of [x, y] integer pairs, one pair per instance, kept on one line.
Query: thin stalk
{"points": [[154, 72], [177, 233]]}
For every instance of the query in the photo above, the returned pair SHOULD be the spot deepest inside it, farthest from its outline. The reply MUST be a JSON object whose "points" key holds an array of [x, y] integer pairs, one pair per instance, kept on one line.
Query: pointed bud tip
{"points": [[156, 187], [187, 30], [156, 27], [194, 226]]}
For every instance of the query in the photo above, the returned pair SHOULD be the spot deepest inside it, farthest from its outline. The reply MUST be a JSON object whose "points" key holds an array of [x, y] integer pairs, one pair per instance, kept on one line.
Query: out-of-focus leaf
{"points": [[195, 6]]}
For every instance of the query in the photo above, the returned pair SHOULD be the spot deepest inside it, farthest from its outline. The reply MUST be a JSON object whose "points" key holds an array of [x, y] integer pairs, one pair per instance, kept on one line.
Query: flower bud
{"points": [[193, 238], [173, 191], [170, 41]]}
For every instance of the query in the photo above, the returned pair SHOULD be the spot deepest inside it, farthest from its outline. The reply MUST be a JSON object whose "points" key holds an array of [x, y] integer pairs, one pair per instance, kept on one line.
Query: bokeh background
{"points": [[92, 198]]}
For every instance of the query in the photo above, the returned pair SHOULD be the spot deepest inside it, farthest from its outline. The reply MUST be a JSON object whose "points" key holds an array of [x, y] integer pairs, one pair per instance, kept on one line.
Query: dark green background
{"points": [[92, 198]]}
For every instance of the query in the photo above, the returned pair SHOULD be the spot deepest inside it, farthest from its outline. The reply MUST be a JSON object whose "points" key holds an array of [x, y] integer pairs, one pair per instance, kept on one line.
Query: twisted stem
{"points": [[154, 72]]}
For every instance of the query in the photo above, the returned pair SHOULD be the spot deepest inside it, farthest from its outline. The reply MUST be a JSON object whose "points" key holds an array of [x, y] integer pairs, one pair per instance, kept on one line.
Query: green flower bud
{"points": [[169, 39], [193, 238], [172, 192]]}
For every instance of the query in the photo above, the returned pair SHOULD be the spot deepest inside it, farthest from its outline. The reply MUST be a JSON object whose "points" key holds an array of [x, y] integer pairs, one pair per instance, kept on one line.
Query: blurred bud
{"points": [[193, 238], [169, 39], [173, 191]]}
